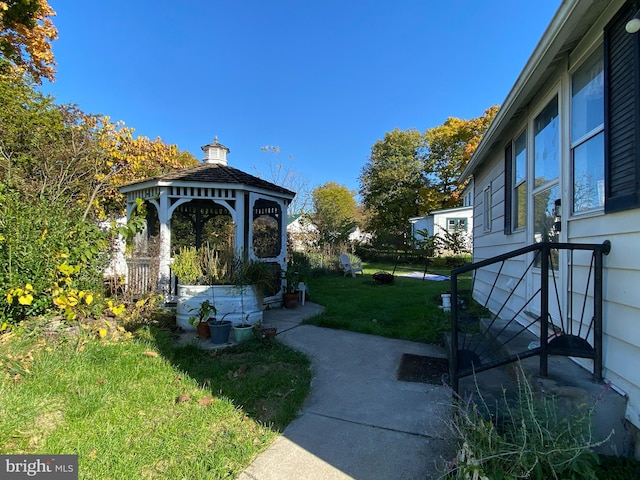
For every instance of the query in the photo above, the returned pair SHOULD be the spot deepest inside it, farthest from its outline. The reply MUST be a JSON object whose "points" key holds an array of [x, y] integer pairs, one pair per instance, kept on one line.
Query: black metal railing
{"points": [[479, 345]]}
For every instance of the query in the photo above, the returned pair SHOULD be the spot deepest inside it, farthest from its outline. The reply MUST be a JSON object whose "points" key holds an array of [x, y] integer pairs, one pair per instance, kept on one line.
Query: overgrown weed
{"points": [[523, 437]]}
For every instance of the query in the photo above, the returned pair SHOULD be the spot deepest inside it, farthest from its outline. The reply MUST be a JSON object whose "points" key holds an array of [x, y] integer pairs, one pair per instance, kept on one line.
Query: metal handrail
{"points": [[544, 250]]}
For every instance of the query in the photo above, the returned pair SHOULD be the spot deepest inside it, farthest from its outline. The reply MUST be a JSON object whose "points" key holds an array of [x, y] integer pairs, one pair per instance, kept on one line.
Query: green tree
{"points": [[393, 186], [334, 212], [450, 147], [29, 123], [39, 240]]}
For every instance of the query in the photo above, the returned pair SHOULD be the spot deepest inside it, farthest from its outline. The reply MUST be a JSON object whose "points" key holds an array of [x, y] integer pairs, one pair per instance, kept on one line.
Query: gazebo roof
{"points": [[209, 173]]}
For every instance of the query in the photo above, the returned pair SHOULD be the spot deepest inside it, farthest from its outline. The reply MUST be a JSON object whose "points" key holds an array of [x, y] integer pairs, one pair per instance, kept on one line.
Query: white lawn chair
{"points": [[350, 267]]}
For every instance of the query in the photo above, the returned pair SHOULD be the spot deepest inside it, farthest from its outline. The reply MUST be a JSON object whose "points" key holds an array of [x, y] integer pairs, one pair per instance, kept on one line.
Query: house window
{"points": [[486, 208], [546, 167], [456, 224], [546, 144], [544, 215], [468, 199], [520, 181], [587, 134]]}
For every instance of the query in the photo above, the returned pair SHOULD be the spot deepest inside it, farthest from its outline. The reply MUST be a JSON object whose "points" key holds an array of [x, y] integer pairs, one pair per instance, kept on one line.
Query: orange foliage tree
{"points": [[449, 148], [124, 159], [26, 33]]}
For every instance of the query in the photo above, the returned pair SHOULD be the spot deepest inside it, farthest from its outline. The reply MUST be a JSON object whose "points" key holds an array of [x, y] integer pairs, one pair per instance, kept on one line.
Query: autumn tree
{"points": [[122, 158], [27, 118], [60, 153], [450, 147], [334, 212], [26, 33], [412, 174], [393, 186]]}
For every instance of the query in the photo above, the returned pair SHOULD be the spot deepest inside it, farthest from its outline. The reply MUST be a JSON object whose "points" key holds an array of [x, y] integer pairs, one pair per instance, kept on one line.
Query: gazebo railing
{"points": [[139, 281]]}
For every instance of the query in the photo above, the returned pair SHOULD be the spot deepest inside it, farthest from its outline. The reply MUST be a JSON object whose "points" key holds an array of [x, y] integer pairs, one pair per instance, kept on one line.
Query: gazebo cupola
{"points": [[215, 153], [216, 204]]}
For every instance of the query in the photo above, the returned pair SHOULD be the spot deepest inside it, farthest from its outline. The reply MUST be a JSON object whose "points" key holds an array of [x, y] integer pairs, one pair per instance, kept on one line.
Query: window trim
{"points": [[487, 201], [525, 181]]}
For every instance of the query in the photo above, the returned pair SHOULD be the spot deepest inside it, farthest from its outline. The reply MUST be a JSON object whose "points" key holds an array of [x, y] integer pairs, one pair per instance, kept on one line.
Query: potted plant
{"points": [[186, 266], [290, 294], [264, 331], [201, 320], [243, 331], [220, 329]]}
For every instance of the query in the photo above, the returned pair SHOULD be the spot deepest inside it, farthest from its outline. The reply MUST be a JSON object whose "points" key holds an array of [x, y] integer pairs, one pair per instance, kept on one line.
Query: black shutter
{"points": [[508, 187], [622, 112]]}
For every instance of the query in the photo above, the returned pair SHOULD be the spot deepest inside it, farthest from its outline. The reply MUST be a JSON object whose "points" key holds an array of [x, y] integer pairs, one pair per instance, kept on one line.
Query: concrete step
{"points": [[570, 384]]}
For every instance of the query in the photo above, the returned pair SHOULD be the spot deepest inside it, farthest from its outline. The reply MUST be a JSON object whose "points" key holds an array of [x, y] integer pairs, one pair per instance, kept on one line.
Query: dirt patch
{"points": [[423, 369]]}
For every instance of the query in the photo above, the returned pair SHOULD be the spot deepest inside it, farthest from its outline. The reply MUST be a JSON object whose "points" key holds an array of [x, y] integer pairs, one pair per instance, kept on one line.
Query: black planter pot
{"points": [[383, 278]]}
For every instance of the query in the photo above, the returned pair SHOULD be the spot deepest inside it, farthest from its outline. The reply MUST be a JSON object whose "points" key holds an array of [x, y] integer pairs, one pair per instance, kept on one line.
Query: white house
{"points": [[561, 162], [447, 220], [441, 221], [303, 233]]}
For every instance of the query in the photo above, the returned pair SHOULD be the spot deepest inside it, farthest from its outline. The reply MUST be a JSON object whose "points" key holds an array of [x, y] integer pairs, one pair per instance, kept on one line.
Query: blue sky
{"points": [[323, 80]]}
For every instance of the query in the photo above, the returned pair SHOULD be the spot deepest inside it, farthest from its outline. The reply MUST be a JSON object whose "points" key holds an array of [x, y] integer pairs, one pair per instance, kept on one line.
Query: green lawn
{"points": [[140, 408], [407, 309]]}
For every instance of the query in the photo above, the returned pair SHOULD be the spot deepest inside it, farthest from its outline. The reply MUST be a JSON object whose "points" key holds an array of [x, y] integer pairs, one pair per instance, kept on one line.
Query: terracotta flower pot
{"points": [[290, 300], [269, 332], [203, 330]]}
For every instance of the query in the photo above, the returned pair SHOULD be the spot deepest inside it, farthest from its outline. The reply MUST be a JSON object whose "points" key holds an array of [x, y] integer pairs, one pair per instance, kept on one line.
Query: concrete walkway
{"points": [[359, 421]]}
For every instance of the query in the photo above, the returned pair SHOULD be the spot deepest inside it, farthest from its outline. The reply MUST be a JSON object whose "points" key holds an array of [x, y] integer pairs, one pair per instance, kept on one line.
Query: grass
{"points": [[407, 309], [140, 408]]}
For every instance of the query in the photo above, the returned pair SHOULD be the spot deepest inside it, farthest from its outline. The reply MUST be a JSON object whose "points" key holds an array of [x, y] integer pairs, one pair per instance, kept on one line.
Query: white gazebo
{"points": [[210, 200]]}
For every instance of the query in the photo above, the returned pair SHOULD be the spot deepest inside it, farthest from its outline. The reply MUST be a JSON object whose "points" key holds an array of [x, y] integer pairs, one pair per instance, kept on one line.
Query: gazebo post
{"points": [[240, 226], [164, 274]]}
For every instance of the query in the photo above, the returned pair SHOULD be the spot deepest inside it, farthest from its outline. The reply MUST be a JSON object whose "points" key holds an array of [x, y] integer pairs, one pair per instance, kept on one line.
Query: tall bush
{"points": [[48, 251]]}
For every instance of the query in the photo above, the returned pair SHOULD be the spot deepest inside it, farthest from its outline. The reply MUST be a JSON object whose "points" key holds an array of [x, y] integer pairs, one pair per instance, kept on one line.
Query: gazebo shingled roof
{"points": [[215, 173]]}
